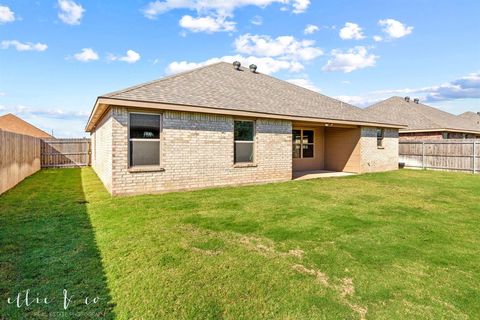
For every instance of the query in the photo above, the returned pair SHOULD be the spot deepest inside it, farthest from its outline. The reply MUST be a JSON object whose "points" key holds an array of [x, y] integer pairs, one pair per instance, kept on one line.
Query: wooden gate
{"points": [[65, 153]]}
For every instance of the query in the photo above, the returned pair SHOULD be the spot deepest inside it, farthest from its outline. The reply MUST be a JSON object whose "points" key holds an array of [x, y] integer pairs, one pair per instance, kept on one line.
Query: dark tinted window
{"points": [[244, 130], [144, 144], [144, 126], [380, 135], [307, 136], [243, 135]]}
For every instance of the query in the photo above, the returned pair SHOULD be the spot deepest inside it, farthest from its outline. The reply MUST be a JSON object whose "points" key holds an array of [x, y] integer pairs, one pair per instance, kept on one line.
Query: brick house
{"points": [[424, 122], [12, 123], [223, 125]]}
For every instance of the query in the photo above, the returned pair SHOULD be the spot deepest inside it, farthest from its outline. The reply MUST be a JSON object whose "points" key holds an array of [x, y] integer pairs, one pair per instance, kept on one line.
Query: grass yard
{"points": [[398, 245]]}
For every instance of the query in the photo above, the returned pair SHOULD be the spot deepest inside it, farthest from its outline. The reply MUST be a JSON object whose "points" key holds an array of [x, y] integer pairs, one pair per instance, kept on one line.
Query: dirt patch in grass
{"points": [[321, 277], [266, 246]]}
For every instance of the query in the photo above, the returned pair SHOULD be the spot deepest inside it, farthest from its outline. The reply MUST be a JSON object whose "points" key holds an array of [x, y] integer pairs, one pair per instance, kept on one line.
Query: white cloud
{"points": [[359, 101], [270, 55], [353, 59], [214, 15], [57, 113], [300, 6], [467, 87], [130, 57], [310, 28], [306, 83], [222, 8], [286, 47], [206, 24], [86, 55], [266, 65], [394, 29], [462, 88], [6, 15], [23, 46], [257, 20], [70, 12], [377, 38], [64, 122], [351, 31]]}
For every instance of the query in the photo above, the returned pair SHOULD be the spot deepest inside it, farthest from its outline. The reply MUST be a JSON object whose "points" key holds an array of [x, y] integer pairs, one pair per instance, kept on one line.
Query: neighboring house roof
{"points": [[420, 117], [473, 117], [219, 86], [12, 123]]}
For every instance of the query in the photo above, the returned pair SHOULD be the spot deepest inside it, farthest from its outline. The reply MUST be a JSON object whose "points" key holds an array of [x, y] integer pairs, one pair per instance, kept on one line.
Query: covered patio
{"points": [[325, 150]]}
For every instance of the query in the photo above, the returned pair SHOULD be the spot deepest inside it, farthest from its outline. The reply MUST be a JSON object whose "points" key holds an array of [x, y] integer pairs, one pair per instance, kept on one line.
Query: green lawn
{"points": [[398, 245]]}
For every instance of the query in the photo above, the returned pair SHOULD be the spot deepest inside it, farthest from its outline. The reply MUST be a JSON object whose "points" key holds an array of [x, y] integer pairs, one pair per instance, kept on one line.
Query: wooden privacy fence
{"points": [[454, 155], [19, 158], [65, 153]]}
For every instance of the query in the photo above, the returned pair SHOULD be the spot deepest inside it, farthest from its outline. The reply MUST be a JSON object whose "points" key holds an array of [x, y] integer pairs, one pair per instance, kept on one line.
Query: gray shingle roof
{"points": [[221, 86], [418, 116], [472, 117]]}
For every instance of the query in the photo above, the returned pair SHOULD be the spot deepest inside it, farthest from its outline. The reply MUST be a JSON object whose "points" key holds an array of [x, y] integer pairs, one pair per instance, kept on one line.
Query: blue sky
{"points": [[57, 56]]}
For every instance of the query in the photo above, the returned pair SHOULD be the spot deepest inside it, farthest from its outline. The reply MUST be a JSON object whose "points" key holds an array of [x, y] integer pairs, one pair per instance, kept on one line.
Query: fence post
{"points": [[474, 157], [423, 155]]}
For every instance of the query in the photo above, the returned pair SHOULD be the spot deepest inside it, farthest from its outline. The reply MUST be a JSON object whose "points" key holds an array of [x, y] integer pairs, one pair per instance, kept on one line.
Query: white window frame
{"points": [[159, 140], [305, 144], [243, 141]]}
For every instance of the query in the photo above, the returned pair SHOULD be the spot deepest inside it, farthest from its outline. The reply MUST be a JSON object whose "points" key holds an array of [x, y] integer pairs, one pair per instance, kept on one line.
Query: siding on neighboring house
{"points": [[102, 149], [197, 152]]}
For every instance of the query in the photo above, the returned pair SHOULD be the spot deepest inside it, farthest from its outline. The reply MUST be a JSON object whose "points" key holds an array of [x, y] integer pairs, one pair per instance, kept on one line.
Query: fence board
{"points": [[65, 153], [19, 158], [454, 155]]}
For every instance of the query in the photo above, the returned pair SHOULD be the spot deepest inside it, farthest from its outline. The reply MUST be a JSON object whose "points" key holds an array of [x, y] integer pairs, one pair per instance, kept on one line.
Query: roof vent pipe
{"points": [[407, 99], [416, 100], [237, 65], [253, 68]]}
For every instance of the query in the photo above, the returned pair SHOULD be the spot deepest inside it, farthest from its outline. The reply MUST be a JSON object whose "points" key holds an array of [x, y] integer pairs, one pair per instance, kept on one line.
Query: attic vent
{"points": [[407, 99], [253, 68], [237, 65], [416, 100]]}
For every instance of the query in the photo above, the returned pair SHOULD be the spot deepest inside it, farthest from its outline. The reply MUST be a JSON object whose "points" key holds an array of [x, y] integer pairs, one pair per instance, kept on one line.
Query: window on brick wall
{"points": [[244, 133], [144, 139], [302, 143], [380, 137]]}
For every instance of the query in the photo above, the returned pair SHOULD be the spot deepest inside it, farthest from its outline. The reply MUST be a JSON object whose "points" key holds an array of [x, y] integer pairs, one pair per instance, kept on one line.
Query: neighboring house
{"points": [[12, 123], [219, 125], [472, 117], [424, 122]]}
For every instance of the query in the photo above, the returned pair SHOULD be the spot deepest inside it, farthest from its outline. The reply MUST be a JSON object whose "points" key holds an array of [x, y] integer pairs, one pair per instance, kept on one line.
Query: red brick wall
{"points": [[419, 136], [438, 135]]}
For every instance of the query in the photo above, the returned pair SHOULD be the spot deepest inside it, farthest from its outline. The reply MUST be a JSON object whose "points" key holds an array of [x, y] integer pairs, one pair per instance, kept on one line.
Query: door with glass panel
{"points": [[304, 155]]}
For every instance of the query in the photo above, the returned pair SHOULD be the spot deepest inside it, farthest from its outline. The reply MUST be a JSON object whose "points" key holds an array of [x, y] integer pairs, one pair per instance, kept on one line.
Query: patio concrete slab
{"points": [[305, 175]]}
